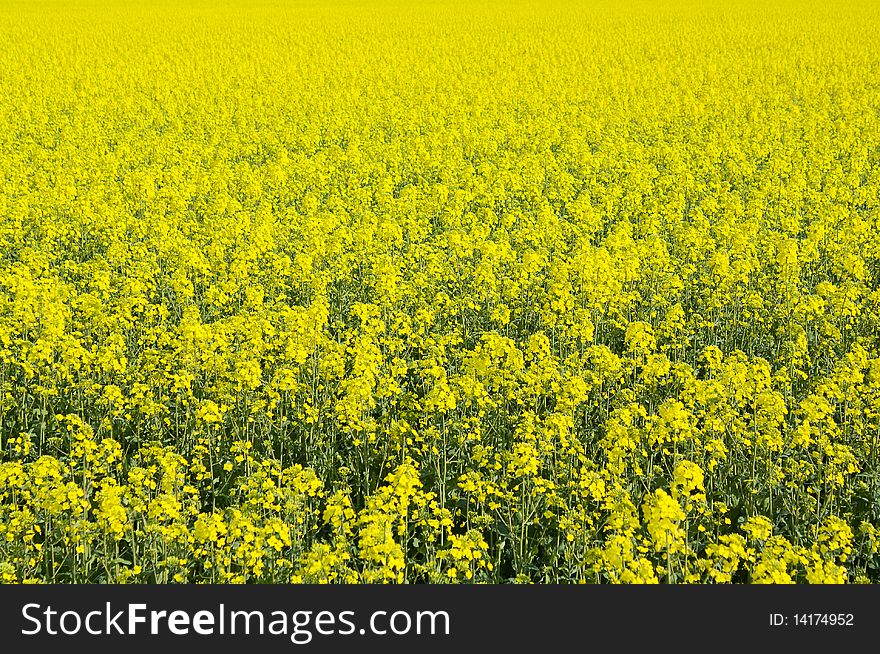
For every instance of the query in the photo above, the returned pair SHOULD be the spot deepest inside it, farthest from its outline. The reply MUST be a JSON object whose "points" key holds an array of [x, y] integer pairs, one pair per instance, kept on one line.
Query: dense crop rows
{"points": [[440, 292]]}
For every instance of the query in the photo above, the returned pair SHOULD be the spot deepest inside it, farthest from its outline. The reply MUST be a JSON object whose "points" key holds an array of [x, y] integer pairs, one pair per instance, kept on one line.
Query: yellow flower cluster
{"points": [[457, 292]]}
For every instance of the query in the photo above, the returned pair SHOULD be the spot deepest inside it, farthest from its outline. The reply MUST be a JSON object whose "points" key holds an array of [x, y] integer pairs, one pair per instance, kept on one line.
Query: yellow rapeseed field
{"points": [[451, 291]]}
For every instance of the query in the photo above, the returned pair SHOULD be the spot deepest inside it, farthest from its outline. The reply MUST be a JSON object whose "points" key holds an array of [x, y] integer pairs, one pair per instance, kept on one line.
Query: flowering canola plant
{"points": [[449, 292]]}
